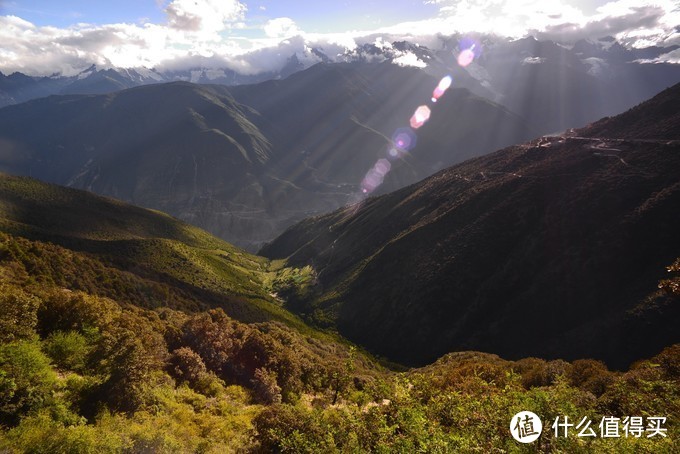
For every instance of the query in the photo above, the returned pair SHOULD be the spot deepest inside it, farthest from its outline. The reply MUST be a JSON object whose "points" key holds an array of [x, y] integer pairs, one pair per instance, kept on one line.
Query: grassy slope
{"points": [[144, 245]]}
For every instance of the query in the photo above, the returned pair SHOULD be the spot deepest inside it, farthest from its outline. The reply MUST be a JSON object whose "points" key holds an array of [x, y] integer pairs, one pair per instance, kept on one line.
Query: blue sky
{"points": [[312, 16], [65, 13], [40, 37]]}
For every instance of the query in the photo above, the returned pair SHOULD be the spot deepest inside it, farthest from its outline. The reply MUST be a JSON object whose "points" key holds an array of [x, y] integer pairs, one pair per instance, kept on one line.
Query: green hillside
{"points": [[44, 209], [127, 247]]}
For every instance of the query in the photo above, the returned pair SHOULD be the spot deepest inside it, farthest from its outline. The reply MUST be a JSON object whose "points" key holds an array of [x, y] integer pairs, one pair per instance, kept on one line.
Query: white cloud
{"points": [[272, 57], [281, 27], [533, 61], [409, 59], [628, 21], [268, 55], [46, 50], [207, 16], [205, 33], [634, 22], [503, 17], [670, 57]]}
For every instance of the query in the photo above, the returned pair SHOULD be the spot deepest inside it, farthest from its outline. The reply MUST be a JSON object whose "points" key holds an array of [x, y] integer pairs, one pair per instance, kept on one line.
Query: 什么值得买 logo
{"points": [[526, 427]]}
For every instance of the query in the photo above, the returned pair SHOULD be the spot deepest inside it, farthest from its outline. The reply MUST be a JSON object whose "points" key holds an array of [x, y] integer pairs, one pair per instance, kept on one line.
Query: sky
{"points": [[42, 37]]}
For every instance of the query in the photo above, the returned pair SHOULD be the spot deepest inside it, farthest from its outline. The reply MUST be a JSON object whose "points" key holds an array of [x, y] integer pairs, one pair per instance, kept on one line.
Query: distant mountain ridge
{"points": [[551, 248], [552, 86]]}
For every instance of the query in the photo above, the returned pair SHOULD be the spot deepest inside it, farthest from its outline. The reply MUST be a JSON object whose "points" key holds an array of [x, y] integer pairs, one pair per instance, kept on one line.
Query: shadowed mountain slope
{"points": [[656, 119], [171, 147], [328, 124], [552, 248], [554, 87], [245, 163]]}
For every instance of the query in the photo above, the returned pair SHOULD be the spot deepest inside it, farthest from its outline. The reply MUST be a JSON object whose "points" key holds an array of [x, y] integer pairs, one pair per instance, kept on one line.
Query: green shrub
{"points": [[26, 380], [41, 434], [68, 350], [18, 314]]}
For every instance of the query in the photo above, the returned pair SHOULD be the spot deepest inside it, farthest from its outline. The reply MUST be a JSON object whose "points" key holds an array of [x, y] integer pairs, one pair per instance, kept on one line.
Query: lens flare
{"points": [[471, 43], [420, 117], [404, 139], [383, 166], [375, 176], [371, 181], [466, 57], [469, 50], [441, 88], [395, 153], [445, 83]]}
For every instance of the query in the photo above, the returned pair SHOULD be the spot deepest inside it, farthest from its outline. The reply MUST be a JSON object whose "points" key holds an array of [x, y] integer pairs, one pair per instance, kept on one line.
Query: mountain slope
{"points": [[245, 163], [553, 248], [184, 143], [341, 118], [555, 87], [656, 119], [136, 256]]}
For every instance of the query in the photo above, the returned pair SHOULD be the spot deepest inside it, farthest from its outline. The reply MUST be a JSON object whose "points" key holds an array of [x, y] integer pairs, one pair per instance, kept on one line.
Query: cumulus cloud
{"points": [[209, 16], [47, 50], [268, 55], [409, 59], [505, 17], [271, 57], [281, 27], [625, 21], [634, 22]]}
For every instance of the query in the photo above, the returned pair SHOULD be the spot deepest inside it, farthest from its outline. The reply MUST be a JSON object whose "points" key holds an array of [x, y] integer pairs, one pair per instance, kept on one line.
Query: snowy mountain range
{"points": [[492, 73]]}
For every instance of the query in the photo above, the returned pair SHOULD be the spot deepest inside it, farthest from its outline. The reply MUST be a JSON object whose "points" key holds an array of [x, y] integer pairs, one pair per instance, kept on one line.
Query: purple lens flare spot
{"points": [[404, 139], [420, 117], [470, 49]]}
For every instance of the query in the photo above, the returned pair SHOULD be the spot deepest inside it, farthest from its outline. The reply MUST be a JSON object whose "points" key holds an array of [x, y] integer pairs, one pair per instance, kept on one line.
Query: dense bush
{"points": [[26, 380], [428, 412], [68, 350], [82, 371], [18, 314]]}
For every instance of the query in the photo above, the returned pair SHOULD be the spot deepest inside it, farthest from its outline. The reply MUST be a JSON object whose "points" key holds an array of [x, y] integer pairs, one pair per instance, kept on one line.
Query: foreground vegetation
{"points": [[81, 372]]}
